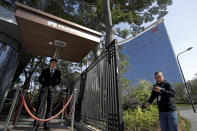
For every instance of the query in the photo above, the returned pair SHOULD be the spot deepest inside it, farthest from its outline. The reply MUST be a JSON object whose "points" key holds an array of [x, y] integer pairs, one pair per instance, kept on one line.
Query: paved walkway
{"points": [[27, 124], [189, 114]]}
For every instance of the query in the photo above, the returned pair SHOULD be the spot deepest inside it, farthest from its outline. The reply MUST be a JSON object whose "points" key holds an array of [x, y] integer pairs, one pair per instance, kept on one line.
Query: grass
{"points": [[183, 123], [187, 122], [185, 105]]}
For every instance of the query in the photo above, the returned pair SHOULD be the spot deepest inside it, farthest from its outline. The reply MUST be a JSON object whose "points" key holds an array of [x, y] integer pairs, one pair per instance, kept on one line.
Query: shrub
{"points": [[131, 103], [141, 120], [138, 95], [136, 118]]}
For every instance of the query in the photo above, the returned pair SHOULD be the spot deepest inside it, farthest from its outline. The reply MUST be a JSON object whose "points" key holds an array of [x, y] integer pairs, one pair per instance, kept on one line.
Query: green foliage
{"points": [[142, 91], [135, 13], [181, 92], [125, 83], [181, 96], [137, 96], [192, 84], [187, 122], [69, 72], [136, 118], [148, 120], [6, 4], [141, 120], [131, 103], [91, 13], [124, 65]]}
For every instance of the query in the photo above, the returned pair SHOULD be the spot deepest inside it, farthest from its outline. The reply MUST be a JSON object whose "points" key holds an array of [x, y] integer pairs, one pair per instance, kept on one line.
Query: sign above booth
{"points": [[39, 31]]}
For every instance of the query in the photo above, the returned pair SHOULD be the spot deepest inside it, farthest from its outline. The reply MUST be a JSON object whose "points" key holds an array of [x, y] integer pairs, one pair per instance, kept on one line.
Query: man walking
{"points": [[49, 78], [165, 95]]}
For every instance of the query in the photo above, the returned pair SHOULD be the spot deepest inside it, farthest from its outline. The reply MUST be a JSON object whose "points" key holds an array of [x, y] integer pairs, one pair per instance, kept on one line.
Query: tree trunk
{"points": [[108, 23], [31, 71], [95, 50]]}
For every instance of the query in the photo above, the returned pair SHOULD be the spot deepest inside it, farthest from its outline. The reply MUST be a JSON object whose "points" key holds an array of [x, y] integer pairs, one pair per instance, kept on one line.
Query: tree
{"points": [[124, 65], [103, 15], [91, 13], [134, 12], [69, 72], [181, 93]]}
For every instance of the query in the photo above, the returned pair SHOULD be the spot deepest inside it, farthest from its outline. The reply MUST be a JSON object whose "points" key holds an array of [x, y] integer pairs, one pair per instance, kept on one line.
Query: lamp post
{"points": [[186, 86]]}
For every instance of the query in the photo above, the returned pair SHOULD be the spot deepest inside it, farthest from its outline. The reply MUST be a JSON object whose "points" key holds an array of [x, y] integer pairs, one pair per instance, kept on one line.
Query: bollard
{"points": [[64, 94], [12, 108], [17, 117], [62, 117], [73, 111]]}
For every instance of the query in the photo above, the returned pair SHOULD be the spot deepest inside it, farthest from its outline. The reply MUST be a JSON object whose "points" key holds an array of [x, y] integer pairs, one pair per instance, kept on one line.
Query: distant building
{"points": [[151, 51]]}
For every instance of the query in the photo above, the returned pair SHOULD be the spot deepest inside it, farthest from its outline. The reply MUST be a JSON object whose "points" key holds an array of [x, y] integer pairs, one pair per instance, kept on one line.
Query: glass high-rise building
{"points": [[151, 51]]}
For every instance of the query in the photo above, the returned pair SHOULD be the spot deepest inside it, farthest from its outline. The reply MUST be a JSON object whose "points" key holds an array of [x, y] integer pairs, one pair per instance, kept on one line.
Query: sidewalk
{"points": [[27, 124]]}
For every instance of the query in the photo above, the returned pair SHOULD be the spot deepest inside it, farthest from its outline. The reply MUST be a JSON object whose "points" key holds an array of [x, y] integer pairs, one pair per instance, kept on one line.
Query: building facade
{"points": [[9, 51], [151, 51]]}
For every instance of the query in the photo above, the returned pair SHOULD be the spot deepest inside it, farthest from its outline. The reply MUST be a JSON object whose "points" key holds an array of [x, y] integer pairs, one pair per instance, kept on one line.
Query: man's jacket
{"points": [[46, 79], [166, 98]]}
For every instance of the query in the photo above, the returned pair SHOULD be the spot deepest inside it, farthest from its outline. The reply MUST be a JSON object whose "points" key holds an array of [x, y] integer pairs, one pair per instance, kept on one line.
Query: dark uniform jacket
{"points": [[166, 98], [46, 79]]}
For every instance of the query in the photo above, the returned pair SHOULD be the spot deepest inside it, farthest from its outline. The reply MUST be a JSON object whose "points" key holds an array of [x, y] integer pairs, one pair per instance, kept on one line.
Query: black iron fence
{"points": [[99, 98]]}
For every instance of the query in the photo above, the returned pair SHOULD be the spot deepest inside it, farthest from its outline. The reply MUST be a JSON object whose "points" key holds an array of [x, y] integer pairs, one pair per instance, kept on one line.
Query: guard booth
{"points": [[32, 32]]}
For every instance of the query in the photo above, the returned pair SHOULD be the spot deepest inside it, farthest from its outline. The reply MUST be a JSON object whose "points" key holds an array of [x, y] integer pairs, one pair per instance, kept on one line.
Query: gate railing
{"points": [[99, 100]]}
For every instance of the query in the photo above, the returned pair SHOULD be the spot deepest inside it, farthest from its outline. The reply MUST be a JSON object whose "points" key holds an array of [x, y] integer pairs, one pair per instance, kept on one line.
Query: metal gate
{"points": [[99, 100]]}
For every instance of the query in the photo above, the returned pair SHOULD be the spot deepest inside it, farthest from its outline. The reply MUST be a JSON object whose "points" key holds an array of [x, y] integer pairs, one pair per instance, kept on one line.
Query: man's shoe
{"points": [[47, 128], [35, 128]]}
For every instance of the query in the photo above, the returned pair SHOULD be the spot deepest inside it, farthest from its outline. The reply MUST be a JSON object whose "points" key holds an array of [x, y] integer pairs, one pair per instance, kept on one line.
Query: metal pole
{"points": [[62, 117], [190, 97], [18, 113], [4, 98], [73, 111], [12, 108]]}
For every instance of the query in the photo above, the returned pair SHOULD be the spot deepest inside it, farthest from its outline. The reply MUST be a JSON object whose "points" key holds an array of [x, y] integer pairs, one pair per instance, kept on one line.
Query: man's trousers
{"points": [[46, 95], [168, 121]]}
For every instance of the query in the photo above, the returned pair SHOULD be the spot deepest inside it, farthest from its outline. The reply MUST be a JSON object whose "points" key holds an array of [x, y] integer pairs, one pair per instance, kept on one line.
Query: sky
{"points": [[181, 25]]}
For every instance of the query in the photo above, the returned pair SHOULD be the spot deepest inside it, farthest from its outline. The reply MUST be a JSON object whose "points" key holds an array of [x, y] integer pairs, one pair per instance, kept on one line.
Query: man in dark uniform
{"points": [[165, 94], [49, 78]]}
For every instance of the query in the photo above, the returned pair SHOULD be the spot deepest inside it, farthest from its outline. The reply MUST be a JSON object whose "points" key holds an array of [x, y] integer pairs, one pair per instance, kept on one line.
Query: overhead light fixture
{"points": [[50, 43], [60, 43]]}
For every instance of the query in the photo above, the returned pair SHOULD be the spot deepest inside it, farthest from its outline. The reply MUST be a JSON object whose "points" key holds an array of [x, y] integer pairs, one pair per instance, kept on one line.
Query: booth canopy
{"points": [[39, 30]]}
